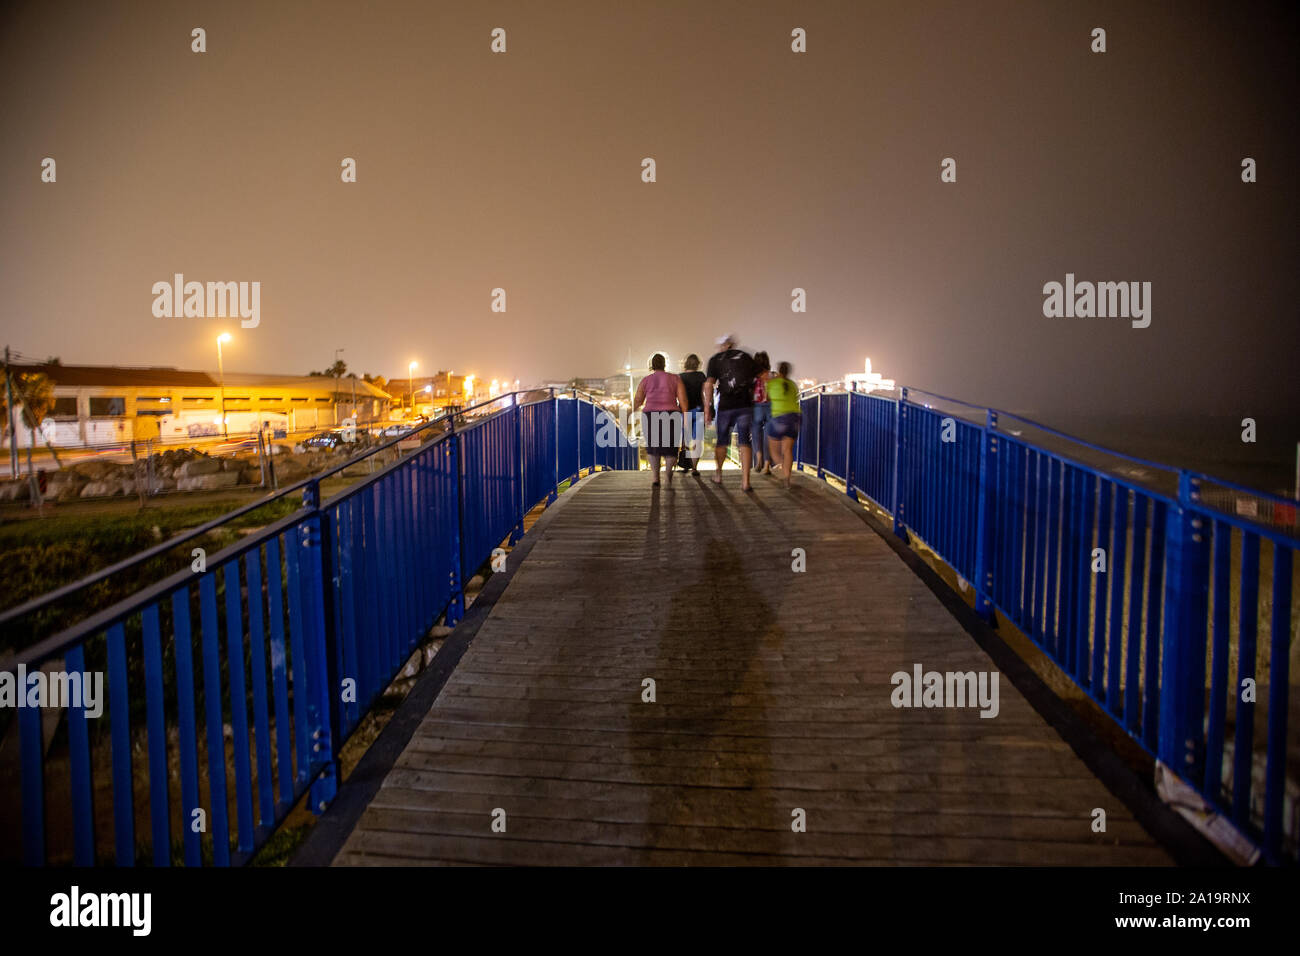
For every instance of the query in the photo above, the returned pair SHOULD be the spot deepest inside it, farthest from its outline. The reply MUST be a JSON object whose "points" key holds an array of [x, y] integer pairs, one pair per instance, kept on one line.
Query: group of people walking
{"points": [[740, 392]]}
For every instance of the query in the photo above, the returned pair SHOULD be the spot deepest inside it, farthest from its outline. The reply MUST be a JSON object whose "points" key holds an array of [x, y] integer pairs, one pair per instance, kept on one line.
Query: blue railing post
{"points": [[900, 419], [848, 440], [798, 442], [1186, 608], [984, 530], [555, 418], [820, 474], [456, 607], [323, 711], [577, 438], [517, 531]]}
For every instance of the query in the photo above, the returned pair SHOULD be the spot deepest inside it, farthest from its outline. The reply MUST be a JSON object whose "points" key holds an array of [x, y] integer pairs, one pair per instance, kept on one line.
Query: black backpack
{"points": [[737, 375]]}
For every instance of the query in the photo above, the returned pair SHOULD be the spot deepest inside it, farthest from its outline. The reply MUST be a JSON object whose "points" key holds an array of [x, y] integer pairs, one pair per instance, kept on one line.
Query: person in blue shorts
{"points": [[731, 373], [783, 429]]}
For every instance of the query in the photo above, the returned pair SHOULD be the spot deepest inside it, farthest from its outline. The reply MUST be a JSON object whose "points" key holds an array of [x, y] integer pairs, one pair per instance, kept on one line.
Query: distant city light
{"points": [[867, 380]]}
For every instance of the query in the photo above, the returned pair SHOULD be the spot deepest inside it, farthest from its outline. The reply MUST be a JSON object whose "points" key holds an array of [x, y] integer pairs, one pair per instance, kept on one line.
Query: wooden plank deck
{"points": [[773, 693]]}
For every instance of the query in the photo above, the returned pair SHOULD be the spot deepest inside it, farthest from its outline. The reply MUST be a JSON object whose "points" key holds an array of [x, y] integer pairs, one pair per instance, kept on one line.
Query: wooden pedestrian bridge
{"points": [[906, 658]]}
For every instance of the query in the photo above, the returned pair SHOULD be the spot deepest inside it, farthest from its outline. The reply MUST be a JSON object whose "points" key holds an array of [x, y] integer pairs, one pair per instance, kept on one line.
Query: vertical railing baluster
{"points": [[1278, 689], [1181, 743], [218, 815], [156, 730], [187, 725], [987, 518], [1247, 620], [83, 802], [896, 505], [261, 718], [456, 608], [1219, 661], [238, 709]]}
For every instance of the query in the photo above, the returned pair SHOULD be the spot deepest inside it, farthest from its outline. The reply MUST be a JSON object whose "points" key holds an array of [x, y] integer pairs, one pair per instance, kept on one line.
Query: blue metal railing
{"points": [[278, 645], [1148, 592]]}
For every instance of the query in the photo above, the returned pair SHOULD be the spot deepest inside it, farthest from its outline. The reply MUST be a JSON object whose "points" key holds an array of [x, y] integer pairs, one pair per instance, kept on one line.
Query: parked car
{"points": [[329, 439], [401, 428]]}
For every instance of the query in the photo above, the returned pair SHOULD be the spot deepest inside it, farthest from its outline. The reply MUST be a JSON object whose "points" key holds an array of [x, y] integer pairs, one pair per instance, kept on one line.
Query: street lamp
{"points": [[335, 369], [221, 371], [410, 383]]}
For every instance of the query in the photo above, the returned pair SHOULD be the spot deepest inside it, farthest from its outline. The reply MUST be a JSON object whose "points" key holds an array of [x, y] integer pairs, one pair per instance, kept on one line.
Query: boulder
{"points": [[289, 469], [15, 490], [67, 491], [250, 476], [93, 470], [198, 466], [101, 489], [208, 482]]}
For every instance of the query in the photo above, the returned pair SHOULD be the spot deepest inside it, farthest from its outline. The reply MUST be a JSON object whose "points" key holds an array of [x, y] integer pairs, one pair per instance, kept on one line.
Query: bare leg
{"points": [[654, 467], [774, 451], [746, 456], [670, 462], [787, 456], [719, 455]]}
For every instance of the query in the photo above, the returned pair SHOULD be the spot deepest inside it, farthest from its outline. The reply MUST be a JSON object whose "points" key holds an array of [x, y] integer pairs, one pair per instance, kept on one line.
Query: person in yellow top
{"points": [[783, 428]]}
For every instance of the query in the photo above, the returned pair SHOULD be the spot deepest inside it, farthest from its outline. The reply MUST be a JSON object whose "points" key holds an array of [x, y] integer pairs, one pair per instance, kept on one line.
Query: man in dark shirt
{"points": [[693, 380], [731, 373]]}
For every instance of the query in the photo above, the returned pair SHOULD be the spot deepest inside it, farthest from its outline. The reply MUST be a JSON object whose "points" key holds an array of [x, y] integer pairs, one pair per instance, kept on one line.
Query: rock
{"points": [[290, 469], [208, 482], [250, 476], [92, 470], [15, 490], [101, 489], [198, 466], [67, 491]]}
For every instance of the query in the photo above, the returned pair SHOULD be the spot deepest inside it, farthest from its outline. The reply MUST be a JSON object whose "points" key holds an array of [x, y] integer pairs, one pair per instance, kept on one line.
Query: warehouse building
{"points": [[109, 405]]}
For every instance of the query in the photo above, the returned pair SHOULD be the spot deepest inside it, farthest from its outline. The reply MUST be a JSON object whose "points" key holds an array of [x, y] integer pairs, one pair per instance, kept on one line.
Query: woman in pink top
{"points": [[664, 397]]}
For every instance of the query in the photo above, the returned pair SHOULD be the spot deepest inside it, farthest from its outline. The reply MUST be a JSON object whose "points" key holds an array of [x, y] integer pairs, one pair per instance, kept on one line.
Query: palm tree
{"points": [[35, 392]]}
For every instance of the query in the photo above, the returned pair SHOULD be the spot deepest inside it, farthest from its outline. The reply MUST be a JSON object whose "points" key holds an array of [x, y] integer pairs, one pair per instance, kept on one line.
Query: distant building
{"points": [[431, 392], [100, 405]]}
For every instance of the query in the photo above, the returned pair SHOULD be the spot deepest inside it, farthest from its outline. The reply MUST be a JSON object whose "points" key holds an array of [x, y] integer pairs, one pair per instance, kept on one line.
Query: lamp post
{"points": [[410, 384], [221, 371], [335, 369]]}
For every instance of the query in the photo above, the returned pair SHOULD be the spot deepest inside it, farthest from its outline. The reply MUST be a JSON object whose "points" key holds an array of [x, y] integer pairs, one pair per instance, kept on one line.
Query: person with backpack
{"points": [[762, 413], [693, 381], [783, 429], [731, 373]]}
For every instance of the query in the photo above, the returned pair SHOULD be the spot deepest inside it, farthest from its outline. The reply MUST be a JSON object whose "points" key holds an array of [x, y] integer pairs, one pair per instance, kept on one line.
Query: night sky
{"points": [[775, 170]]}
